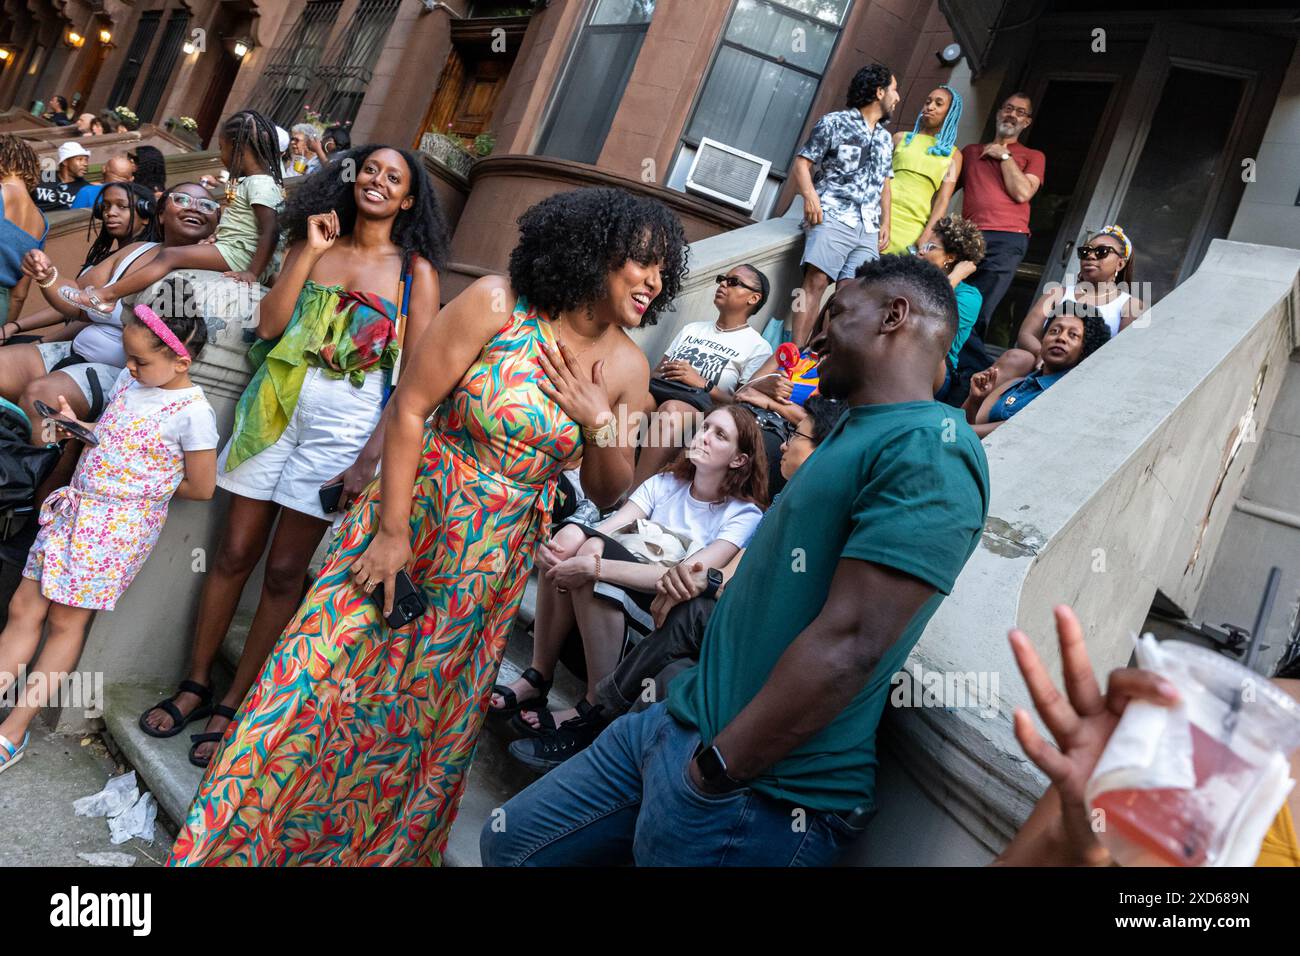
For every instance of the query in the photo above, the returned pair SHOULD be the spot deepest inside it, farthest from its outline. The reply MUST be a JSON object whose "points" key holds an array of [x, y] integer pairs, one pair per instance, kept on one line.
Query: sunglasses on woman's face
{"points": [[205, 206], [1097, 252], [732, 281]]}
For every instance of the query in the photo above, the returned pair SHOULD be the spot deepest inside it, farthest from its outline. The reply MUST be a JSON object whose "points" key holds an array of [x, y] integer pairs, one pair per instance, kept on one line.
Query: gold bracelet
{"points": [[53, 279], [597, 557], [604, 436]]}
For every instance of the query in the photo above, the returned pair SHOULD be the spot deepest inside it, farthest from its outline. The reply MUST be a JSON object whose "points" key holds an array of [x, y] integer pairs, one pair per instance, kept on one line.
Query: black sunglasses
{"points": [[733, 281], [1097, 252]]}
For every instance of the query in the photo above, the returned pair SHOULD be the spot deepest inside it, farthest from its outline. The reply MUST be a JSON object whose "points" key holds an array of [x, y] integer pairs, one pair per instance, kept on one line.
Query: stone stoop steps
{"points": [[164, 767]]}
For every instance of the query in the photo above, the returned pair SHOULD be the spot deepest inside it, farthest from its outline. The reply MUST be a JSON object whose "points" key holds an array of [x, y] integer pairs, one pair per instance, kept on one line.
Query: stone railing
{"points": [[1115, 484]]}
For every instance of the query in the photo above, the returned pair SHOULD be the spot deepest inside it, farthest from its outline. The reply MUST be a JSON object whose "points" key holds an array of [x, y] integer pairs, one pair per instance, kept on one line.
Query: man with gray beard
{"points": [[999, 179]]}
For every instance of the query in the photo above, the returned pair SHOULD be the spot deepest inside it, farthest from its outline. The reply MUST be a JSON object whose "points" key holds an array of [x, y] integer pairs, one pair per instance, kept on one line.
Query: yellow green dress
{"points": [[917, 177]]}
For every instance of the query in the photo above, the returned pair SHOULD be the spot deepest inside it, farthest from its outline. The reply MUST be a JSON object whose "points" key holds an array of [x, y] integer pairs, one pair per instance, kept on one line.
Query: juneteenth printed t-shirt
{"points": [[904, 486], [723, 359]]}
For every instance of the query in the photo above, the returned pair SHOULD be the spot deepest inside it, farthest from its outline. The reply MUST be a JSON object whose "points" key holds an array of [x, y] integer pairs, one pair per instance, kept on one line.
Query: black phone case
{"points": [[85, 436], [330, 496], [409, 603]]}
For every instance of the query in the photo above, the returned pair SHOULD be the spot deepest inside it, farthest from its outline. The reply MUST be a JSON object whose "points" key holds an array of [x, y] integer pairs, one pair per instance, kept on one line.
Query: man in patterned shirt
{"points": [[846, 204]]}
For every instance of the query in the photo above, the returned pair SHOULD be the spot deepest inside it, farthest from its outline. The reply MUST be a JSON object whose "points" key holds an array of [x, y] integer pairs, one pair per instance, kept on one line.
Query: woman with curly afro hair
{"points": [[365, 237], [22, 224], [353, 747], [1069, 340]]}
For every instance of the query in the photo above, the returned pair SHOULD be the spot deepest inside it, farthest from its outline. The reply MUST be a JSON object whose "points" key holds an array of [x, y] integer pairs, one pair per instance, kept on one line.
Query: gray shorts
{"points": [[838, 249], [52, 353]]}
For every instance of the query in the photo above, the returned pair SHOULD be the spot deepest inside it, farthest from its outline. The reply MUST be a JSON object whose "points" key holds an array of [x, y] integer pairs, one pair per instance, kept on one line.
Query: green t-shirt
{"points": [[903, 485]]}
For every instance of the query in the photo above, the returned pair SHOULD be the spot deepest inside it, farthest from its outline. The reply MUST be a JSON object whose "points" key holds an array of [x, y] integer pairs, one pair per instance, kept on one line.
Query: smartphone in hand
{"points": [[330, 497], [409, 603], [75, 429]]}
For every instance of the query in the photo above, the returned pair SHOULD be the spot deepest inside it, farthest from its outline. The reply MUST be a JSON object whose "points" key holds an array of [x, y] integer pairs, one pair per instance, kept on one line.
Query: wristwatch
{"points": [[713, 769], [714, 577], [1004, 157]]}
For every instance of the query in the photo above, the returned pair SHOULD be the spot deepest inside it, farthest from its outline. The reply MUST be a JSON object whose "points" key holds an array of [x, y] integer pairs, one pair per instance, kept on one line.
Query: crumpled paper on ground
{"points": [[129, 813]]}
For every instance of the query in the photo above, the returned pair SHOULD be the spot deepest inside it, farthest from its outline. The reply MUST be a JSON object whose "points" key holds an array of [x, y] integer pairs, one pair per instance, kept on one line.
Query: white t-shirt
{"points": [[723, 359], [667, 500], [193, 428]]}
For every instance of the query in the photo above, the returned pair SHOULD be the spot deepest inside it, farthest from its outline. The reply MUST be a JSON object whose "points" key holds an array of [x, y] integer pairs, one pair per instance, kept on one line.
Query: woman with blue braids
{"points": [[927, 165]]}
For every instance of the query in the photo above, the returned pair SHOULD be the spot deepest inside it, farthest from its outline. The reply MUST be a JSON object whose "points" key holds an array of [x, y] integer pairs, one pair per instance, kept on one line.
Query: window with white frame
{"points": [[761, 84]]}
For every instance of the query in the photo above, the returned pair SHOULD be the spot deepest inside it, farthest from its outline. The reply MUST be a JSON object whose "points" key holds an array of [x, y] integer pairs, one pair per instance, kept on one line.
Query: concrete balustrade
{"points": [[1117, 482]]}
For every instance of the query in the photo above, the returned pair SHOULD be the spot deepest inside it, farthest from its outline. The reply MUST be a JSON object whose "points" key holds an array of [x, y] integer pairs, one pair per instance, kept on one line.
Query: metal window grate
{"points": [[135, 54], [282, 89], [340, 83], [164, 63]]}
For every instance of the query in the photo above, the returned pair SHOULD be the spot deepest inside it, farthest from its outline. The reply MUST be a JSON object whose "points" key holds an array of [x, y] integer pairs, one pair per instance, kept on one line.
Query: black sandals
{"points": [[210, 736], [547, 751], [512, 704], [179, 720]]}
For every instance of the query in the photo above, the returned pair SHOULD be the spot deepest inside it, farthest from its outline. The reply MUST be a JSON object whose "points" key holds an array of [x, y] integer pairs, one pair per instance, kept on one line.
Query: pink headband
{"points": [[159, 328]]}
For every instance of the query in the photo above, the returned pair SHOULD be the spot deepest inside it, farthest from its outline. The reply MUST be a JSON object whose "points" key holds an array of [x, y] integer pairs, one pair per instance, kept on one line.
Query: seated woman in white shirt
{"points": [[712, 493], [707, 361]]}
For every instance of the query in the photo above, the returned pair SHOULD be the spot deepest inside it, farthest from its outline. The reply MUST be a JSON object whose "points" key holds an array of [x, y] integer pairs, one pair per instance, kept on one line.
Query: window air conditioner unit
{"points": [[728, 174]]}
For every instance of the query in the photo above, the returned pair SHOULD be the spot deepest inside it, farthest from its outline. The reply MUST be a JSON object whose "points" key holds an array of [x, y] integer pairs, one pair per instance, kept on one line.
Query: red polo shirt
{"points": [[986, 202]]}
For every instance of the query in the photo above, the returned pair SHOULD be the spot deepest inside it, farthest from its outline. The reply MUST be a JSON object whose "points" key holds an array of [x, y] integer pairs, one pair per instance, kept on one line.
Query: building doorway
{"points": [[1151, 136]]}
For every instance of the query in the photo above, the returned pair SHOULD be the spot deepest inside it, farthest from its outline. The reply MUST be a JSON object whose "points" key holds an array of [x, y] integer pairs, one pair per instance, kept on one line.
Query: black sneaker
{"points": [[547, 751]]}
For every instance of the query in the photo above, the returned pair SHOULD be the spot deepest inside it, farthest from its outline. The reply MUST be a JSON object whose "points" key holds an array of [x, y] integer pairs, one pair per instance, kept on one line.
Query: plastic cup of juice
{"points": [[1184, 786]]}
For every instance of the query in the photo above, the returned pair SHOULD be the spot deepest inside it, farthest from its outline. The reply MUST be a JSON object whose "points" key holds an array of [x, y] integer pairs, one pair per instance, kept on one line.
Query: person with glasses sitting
{"points": [[999, 179], [956, 246], [703, 366], [1103, 287]]}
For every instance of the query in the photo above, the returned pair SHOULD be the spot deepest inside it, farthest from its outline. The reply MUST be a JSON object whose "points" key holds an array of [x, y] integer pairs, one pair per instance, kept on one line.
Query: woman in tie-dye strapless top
{"points": [[353, 746]]}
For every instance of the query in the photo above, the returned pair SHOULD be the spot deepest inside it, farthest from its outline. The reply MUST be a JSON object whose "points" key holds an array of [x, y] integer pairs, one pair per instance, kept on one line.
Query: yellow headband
{"points": [[1118, 233]]}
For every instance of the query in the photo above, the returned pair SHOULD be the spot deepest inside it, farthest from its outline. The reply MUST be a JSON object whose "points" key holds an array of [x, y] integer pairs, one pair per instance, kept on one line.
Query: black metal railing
{"points": [[339, 84], [282, 89], [164, 65], [135, 54]]}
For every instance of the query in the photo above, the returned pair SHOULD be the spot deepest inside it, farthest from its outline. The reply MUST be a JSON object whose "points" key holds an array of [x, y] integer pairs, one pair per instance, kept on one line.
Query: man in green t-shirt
{"points": [[764, 753]]}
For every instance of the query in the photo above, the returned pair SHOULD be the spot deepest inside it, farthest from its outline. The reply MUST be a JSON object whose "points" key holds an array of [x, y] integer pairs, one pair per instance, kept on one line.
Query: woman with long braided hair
{"points": [[926, 169], [247, 236]]}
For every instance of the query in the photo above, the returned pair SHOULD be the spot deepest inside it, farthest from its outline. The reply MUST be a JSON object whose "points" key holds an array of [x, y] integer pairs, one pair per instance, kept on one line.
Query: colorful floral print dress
{"points": [[97, 532], [352, 747]]}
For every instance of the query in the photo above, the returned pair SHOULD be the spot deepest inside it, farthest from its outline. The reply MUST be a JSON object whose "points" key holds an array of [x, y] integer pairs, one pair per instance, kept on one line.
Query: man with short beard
{"points": [[999, 179], [843, 174]]}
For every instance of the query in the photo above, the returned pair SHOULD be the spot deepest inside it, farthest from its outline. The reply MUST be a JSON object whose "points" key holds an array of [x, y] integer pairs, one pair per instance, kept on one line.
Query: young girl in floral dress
{"points": [[156, 438]]}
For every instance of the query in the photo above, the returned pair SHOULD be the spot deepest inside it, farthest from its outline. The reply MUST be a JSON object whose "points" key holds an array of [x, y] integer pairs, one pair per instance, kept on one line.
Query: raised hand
{"points": [[1081, 723], [38, 265], [982, 383], [322, 231]]}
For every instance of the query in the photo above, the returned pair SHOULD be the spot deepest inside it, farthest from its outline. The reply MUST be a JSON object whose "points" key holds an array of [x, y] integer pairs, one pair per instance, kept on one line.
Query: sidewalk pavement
{"points": [[37, 825]]}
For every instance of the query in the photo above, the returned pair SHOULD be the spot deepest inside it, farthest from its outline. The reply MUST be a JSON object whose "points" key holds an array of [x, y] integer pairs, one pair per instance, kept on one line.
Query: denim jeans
{"points": [[627, 799]]}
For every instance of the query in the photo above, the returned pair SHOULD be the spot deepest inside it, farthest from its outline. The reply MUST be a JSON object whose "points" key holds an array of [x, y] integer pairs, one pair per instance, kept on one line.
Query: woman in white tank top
{"points": [[1102, 289]]}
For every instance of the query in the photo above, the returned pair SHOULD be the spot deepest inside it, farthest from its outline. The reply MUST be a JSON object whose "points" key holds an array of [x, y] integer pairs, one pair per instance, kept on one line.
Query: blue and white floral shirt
{"points": [[852, 161]]}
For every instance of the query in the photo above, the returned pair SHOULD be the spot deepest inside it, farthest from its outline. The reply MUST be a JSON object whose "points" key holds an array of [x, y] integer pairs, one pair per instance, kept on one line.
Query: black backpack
{"points": [[23, 466]]}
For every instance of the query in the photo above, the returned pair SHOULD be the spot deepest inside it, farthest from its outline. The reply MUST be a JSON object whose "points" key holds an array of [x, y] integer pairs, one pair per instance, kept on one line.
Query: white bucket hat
{"points": [[68, 150]]}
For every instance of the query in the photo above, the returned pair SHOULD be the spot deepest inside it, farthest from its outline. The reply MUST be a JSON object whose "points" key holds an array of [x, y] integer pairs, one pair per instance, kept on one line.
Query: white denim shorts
{"points": [[332, 423], [52, 353]]}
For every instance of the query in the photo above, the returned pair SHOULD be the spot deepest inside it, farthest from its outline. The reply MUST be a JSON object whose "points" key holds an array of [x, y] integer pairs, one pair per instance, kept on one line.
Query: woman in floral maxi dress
{"points": [[353, 746]]}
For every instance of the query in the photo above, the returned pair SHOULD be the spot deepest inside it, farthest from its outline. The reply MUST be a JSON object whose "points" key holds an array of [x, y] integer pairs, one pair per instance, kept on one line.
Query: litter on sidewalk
{"points": [[130, 813]]}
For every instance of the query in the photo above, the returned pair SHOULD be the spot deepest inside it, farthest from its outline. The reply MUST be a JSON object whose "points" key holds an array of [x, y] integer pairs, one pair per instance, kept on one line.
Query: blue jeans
{"points": [[627, 799]]}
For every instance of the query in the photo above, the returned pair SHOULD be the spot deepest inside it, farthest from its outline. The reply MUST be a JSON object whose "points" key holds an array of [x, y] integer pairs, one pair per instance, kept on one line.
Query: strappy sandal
{"points": [[546, 724], [10, 753], [513, 705], [210, 736], [88, 302], [169, 708]]}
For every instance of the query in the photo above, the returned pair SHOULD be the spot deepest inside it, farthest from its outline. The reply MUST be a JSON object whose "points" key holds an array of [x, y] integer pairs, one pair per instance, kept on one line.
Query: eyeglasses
{"points": [[799, 434], [733, 281], [929, 247], [1097, 252], [205, 206], [1019, 111]]}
